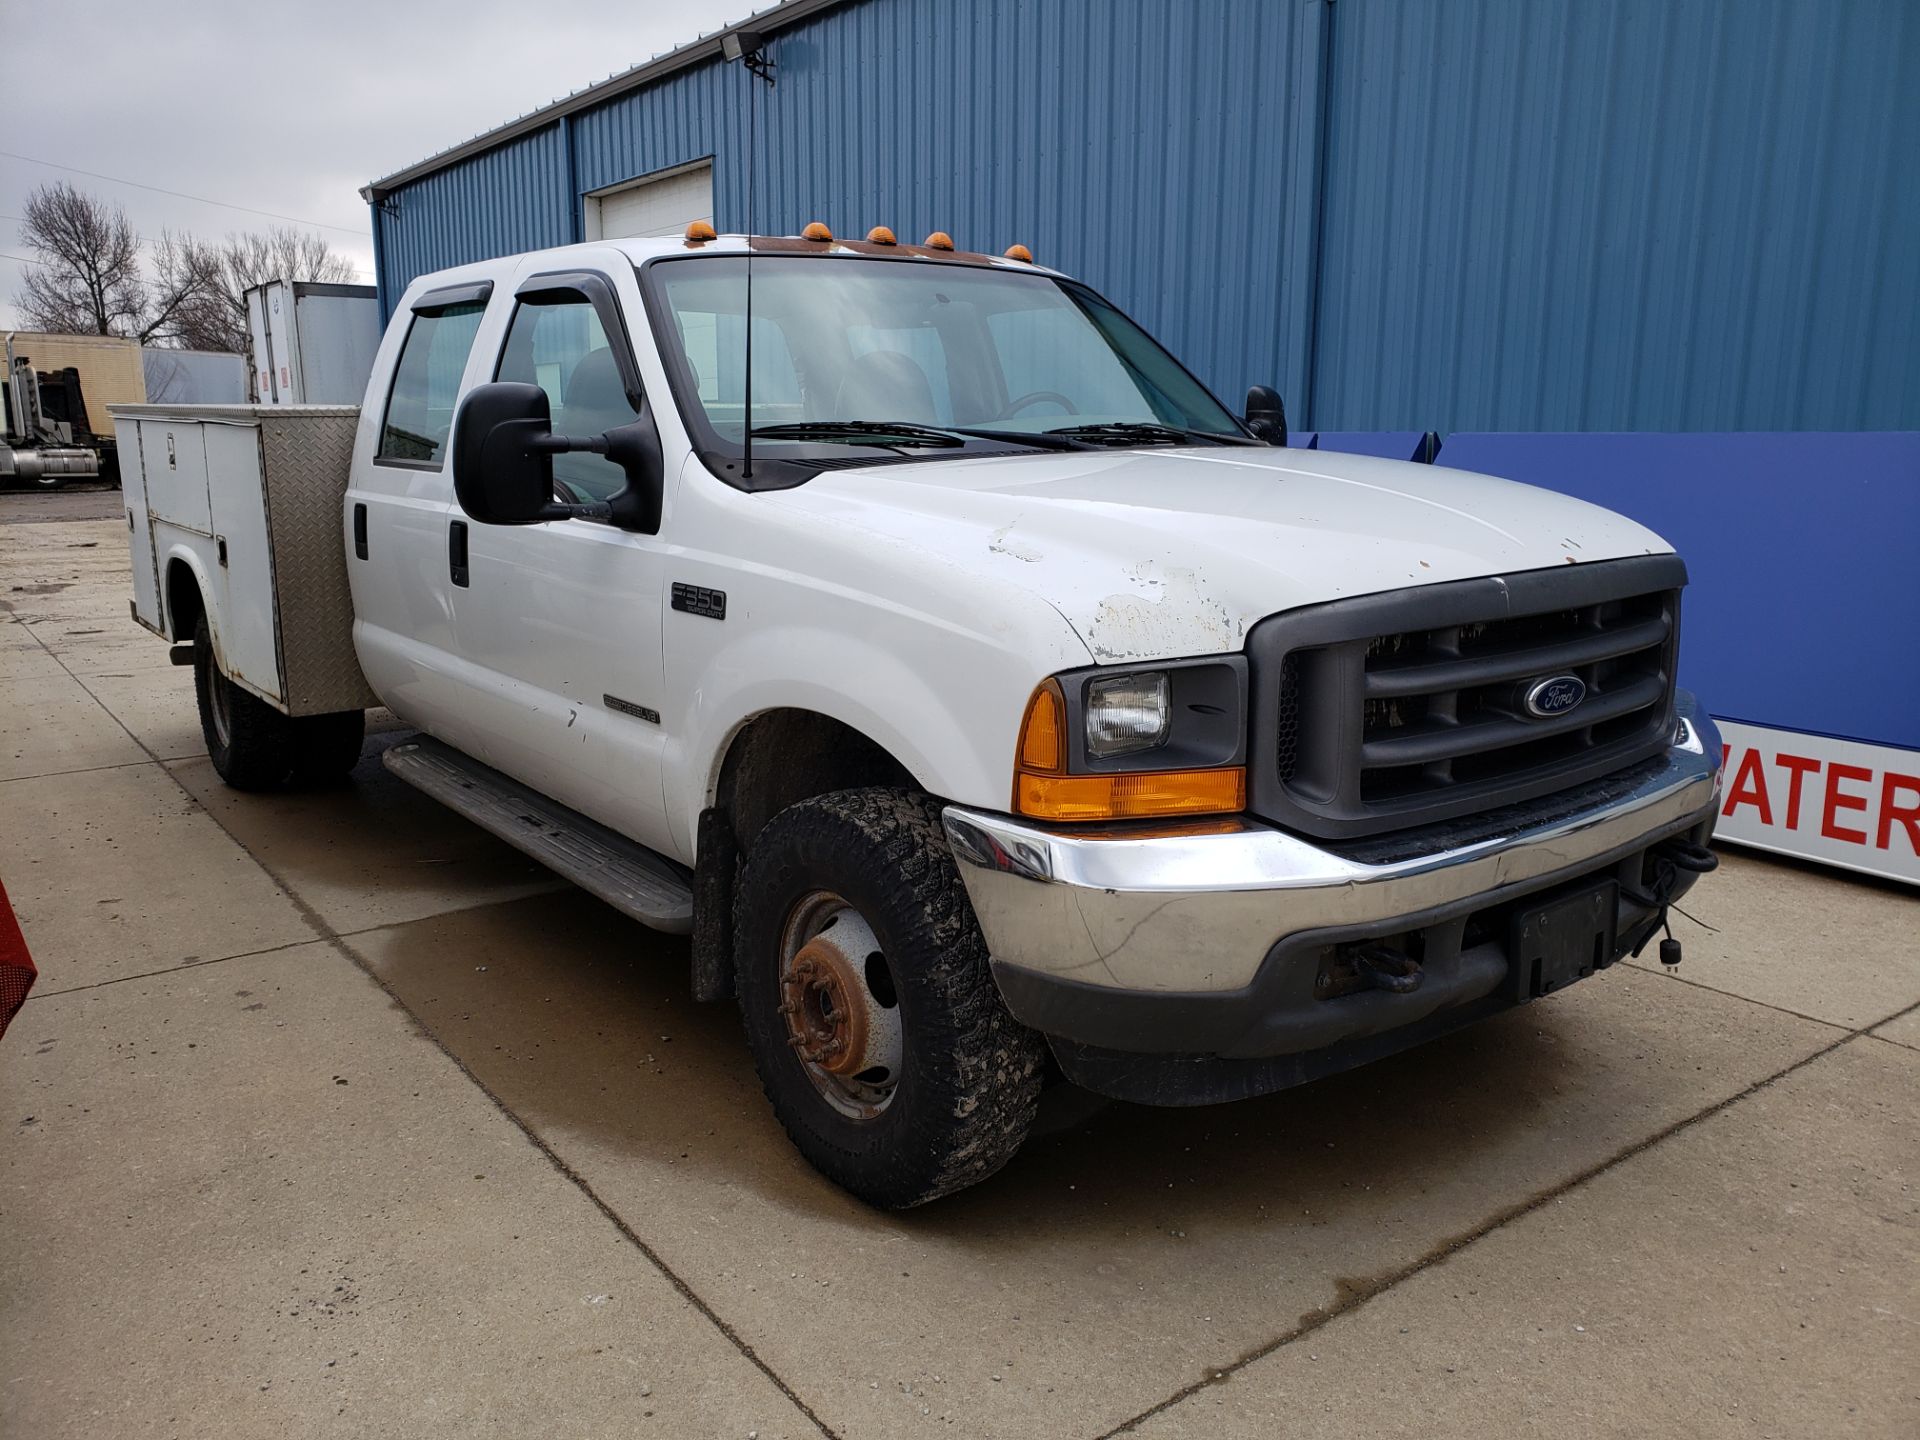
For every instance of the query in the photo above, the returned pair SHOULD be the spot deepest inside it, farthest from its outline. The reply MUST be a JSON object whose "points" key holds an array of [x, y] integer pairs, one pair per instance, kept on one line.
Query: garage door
{"points": [[661, 206]]}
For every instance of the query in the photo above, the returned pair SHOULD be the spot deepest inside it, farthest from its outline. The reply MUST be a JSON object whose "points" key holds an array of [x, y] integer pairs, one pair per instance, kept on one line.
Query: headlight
{"points": [[1127, 714], [1123, 744]]}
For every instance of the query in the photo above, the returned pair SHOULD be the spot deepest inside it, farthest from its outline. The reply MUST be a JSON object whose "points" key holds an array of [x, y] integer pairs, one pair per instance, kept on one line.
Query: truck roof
{"points": [[638, 250]]}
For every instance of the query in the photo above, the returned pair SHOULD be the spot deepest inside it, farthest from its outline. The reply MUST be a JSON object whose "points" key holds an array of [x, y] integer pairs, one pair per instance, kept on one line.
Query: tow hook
{"points": [[1387, 969]]}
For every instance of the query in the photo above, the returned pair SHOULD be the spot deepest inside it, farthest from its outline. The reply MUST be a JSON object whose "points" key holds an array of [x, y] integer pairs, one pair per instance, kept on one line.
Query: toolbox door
{"points": [[133, 493], [237, 498], [175, 461]]}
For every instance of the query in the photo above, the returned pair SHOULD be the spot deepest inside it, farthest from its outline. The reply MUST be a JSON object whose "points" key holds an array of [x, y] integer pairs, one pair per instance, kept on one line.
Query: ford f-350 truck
{"points": [[981, 695]]}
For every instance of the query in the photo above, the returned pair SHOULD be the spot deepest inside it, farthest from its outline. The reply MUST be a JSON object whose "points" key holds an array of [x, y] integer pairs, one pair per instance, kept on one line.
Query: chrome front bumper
{"points": [[1189, 914]]}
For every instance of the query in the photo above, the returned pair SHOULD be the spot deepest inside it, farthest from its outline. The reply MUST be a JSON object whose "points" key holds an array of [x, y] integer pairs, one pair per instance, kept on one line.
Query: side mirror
{"points": [[501, 475], [503, 451], [1267, 414]]}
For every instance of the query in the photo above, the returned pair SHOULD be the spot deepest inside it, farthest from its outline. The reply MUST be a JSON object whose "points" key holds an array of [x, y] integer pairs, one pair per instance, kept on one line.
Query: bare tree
{"points": [[218, 318], [89, 279]]}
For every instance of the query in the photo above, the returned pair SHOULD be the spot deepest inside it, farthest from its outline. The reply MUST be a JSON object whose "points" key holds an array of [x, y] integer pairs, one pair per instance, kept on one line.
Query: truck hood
{"points": [[1155, 554]]}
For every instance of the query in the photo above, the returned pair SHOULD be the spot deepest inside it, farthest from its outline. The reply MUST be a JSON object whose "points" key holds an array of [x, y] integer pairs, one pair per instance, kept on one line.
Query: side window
{"points": [[558, 344], [426, 383]]}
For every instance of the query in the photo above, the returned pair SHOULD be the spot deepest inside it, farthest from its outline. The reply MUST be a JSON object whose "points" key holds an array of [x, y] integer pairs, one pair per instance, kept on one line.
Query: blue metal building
{"points": [[1407, 214]]}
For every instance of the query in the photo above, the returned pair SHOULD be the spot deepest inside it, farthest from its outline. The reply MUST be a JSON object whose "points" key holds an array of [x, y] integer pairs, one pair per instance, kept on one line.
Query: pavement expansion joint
{"points": [[84, 769], [1355, 1293], [172, 969], [1645, 969]]}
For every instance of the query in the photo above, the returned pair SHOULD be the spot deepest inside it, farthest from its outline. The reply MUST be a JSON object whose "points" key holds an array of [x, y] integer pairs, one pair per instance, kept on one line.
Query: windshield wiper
{"points": [[858, 431], [1038, 439], [1141, 432]]}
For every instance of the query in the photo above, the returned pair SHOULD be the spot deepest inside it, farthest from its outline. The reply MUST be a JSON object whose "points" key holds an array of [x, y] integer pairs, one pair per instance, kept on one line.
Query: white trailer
{"points": [[312, 343]]}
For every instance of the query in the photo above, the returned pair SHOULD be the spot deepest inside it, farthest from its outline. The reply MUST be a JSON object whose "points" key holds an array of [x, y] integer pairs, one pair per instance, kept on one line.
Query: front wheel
{"points": [[879, 1034]]}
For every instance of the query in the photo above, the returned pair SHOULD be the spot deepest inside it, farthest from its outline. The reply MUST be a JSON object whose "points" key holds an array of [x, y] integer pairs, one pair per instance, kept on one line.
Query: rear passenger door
{"points": [[561, 621], [397, 514]]}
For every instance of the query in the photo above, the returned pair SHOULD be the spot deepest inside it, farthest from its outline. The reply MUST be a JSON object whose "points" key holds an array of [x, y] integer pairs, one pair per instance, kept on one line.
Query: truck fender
{"points": [[872, 691]]}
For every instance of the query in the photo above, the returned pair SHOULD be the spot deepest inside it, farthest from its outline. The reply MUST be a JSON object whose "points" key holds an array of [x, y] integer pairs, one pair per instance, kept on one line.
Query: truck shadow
{"points": [[582, 1024]]}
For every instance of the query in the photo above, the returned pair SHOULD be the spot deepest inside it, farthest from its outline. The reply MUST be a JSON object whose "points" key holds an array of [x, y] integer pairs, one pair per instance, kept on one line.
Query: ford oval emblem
{"points": [[1555, 695]]}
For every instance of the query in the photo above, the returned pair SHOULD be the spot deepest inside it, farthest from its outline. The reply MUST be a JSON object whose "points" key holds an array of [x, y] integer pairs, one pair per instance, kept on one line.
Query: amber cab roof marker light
{"points": [[939, 240], [699, 232], [881, 235], [816, 231], [1020, 253]]}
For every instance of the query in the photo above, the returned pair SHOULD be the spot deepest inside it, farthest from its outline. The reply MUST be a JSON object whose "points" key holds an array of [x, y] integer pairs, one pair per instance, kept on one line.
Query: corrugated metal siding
{"points": [[1630, 214], [1092, 148], [1638, 215], [509, 199]]}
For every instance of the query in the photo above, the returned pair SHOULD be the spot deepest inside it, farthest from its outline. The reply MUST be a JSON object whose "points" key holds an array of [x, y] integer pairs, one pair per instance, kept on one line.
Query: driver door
{"points": [[561, 621]]}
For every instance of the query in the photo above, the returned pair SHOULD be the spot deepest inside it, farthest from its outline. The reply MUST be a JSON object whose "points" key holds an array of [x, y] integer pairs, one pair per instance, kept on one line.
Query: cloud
{"points": [[291, 108]]}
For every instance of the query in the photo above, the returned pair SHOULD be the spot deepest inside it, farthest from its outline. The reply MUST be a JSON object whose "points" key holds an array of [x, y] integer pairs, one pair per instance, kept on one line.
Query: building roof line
{"points": [[684, 57]]}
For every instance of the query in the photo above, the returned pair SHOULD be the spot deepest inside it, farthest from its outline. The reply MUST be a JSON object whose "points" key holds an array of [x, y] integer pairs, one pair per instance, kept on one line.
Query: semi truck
{"points": [[49, 437], [988, 702]]}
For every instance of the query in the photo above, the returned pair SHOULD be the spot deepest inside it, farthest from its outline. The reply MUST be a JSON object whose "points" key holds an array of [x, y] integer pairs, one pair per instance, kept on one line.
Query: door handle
{"points": [[359, 531], [457, 552]]}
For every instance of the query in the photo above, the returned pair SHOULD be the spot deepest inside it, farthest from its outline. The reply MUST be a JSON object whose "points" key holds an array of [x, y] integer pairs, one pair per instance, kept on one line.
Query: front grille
{"points": [[1406, 708]]}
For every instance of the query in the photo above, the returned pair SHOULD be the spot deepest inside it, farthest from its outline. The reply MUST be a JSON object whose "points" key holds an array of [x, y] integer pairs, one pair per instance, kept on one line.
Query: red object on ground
{"points": [[16, 966]]}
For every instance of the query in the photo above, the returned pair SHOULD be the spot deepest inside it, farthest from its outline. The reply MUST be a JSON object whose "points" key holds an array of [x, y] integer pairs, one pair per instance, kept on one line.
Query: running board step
{"points": [[633, 879]]}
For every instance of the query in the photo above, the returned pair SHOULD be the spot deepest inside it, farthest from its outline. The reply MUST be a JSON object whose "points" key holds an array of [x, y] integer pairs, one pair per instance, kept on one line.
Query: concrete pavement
{"points": [[332, 1115]]}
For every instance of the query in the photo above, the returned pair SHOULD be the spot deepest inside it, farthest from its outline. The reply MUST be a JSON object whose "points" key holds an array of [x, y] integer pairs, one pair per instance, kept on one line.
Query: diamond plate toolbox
{"points": [[306, 454]]}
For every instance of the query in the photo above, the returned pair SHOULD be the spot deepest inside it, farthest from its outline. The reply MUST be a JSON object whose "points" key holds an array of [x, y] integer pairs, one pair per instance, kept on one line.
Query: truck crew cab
{"points": [[978, 692]]}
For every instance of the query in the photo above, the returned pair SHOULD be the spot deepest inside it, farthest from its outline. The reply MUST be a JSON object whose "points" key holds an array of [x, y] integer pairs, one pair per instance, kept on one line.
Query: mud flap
{"points": [[714, 871]]}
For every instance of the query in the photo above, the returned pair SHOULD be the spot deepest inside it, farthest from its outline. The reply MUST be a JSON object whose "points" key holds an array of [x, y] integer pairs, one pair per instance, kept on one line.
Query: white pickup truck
{"points": [[982, 696]]}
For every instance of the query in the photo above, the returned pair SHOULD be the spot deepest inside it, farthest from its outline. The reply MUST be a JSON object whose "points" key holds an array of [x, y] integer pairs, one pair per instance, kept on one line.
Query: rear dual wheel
{"points": [[875, 1024], [253, 746]]}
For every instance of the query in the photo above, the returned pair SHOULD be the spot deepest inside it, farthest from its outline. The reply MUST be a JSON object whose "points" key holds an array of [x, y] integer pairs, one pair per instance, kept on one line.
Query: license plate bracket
{"points": [[1563, 938]]}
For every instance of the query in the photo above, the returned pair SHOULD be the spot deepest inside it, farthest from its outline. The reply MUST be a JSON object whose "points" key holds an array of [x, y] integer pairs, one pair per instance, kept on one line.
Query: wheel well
{"points": [[184, 601], [782, 757]]}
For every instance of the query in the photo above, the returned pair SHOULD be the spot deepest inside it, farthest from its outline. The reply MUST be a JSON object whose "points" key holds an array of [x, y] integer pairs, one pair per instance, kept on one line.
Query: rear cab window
{"points": [[426, 382]]}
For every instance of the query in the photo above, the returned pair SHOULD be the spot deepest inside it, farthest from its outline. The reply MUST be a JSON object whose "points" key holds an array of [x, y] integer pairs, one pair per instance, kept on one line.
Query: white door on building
{"points": [[655, 206]]}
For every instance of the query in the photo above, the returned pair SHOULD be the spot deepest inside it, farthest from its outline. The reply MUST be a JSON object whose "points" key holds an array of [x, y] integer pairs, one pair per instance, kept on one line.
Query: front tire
{"points": [[880, 1037]]}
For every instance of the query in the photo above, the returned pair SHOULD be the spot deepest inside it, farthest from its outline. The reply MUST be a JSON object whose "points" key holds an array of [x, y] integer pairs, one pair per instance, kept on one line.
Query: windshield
{"points": [[907, 355]]}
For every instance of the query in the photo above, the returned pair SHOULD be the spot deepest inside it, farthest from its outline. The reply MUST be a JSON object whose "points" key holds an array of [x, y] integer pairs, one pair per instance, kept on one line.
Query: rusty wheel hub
{"points": [[838, 1000], [824, 1023]]}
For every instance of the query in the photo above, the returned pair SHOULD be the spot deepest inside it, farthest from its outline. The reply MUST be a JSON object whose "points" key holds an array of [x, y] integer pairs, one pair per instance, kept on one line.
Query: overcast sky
{"points": [[287, 107]]}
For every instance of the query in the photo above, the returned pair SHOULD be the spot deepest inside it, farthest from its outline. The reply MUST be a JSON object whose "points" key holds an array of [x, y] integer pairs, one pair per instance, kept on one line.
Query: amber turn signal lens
{"points": [[698, 232], [880, 235], [1042, 733], [1020, 253], [1130, 797], [816, 231], [1044, 791], [939, 240]]}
